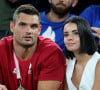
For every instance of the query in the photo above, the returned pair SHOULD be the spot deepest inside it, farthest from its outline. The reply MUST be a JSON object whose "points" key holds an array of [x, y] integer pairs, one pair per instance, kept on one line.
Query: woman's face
{"points": [[71, 37]]}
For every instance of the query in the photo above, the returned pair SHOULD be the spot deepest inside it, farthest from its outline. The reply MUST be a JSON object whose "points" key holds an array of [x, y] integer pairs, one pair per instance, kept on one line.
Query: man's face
{"points": [[26, 29], [61, 7]]}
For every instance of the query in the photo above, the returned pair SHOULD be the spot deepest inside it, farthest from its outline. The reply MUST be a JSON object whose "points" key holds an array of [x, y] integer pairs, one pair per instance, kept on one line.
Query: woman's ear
{"points": [[12, 26], [39, 30]]}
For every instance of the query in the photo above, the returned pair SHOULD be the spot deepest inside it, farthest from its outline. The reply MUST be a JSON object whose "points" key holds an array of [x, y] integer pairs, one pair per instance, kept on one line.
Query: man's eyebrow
{"points": [[34, 24], [22, 23]]}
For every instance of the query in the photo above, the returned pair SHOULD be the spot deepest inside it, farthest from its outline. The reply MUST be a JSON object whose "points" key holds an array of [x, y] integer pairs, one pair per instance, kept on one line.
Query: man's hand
{"points": [[3, 87], [97, 30]]}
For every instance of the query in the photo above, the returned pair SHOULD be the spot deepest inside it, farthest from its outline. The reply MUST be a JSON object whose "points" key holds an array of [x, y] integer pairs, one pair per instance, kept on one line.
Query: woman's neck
{"points": [[82, 58]]}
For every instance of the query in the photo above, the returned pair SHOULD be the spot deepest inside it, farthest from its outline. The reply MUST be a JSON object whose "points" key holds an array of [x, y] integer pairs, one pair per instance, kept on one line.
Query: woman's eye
{"points": [[76, 33], [65, 35]]}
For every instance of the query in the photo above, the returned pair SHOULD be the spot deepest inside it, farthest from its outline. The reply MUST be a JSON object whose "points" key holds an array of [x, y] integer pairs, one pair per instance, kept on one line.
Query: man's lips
{"points": [[60, 4], [28, 38]]}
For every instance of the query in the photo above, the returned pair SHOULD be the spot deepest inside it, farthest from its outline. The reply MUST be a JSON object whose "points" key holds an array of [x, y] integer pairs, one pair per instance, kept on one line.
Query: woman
{"points": [[83, 70]]}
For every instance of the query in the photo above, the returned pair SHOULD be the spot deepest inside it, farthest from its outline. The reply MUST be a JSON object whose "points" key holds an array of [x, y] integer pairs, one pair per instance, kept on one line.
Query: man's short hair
{"points": [[87, 41], [27, 9]]}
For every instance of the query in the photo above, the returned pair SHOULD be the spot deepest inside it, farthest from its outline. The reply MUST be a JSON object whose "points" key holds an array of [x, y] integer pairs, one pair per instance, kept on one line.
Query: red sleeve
{"points": [[53, 66], [0, 75], [1, 55]]}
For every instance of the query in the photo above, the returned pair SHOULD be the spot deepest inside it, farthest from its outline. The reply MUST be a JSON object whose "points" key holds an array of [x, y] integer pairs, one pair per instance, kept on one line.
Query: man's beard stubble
{"points": [[61, 11]]}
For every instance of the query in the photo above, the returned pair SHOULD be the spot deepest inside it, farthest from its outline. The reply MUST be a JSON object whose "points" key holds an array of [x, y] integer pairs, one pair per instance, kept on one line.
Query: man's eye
{"points": [[34, 26], [22, 24]]}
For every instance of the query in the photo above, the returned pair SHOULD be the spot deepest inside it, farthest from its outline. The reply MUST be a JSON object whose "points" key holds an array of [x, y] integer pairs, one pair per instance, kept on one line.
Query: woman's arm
{"points": [[96, 85]]}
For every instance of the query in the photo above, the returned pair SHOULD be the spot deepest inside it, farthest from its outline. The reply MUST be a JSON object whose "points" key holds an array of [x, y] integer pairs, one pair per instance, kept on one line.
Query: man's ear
{"points": [[74, 3], [12, 26]]}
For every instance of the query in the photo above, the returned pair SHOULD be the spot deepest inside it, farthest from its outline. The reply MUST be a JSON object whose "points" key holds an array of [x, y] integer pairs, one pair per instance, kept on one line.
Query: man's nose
{"points": [[29, 29]]}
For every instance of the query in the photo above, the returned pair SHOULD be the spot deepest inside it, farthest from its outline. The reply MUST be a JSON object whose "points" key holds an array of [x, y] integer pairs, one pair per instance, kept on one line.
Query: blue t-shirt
{"points": [[52, 30], [92, 15]]}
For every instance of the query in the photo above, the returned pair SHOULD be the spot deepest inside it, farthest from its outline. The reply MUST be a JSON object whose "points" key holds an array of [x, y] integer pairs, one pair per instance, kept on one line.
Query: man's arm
{"points": [[49, 85], [3, 87], [52, 71]]}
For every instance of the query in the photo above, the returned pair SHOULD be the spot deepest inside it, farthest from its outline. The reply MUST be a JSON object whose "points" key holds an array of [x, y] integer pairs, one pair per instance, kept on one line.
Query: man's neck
{"points": [[52, 16], [24, 53]]}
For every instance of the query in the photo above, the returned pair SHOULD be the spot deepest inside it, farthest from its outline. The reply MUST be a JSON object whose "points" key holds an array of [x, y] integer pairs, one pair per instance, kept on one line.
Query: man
{"points": [[53, 20], [29, 61]]}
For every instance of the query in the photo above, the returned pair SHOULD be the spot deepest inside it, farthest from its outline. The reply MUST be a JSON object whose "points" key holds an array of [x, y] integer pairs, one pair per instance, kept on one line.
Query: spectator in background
{"points": [[29, 61], [13, 1], [96, 2], [92, 15], [52, 21], [41, 5], [7, 8], [83, 69], [82, 4]]}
